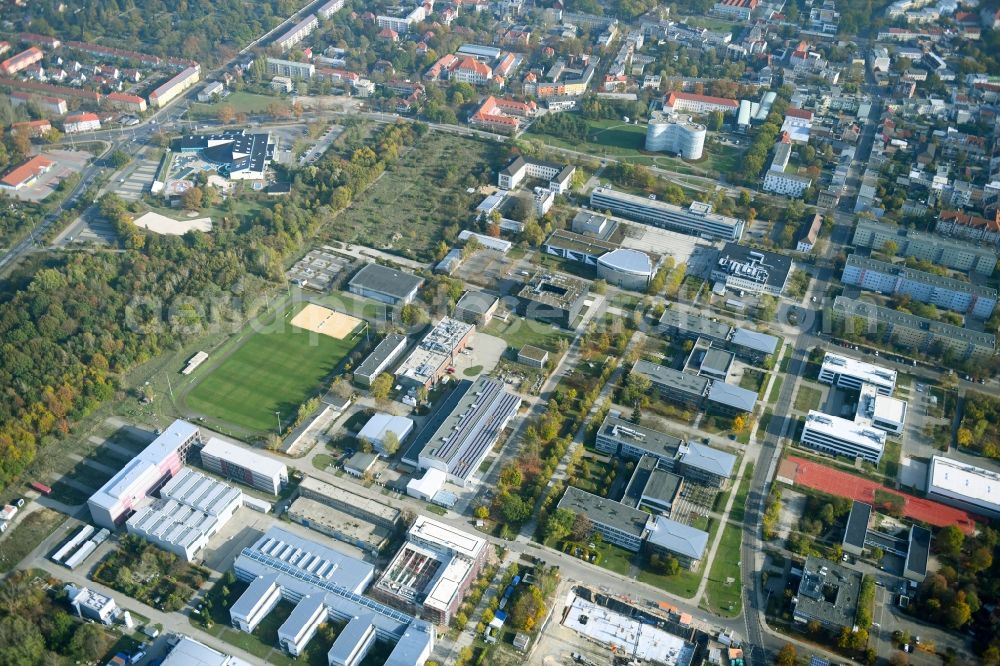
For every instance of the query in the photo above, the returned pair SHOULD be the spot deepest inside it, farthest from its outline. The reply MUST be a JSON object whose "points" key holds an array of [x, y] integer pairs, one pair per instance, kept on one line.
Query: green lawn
{"points": [[739, 503], [724, 589], [321, 461], [242, 102], [616, 139], [275, 369], [684, 584], [723, 598], [614, 558], [808, 398], [518, 331], [356, 306], [775, 389], [890, 459], [26, 536]]}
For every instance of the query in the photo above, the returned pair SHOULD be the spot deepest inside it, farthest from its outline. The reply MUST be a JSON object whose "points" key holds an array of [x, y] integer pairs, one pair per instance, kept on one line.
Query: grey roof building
{"points": [[380, 359], [707, 463], [597, 226], [637, 483], [616, 436], [695, 220], [618, 524], [661, 491], [577, 247], [476, 307], [828, 593], [688, 325], [907, 330], [747, 343], [684, 542], [730, 398], [552, 297], [464, 437], [353, 642], [749, 269], [385, 284], [857, 528], [915, 566], [687, 389]]}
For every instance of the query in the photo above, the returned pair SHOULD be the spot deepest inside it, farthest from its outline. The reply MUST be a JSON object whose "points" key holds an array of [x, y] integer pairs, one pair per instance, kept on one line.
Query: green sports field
{"points": [[273, 370]]}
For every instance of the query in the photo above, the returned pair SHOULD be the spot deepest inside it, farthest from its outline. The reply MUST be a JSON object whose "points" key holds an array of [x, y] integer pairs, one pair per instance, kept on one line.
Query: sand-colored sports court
{"points": [[325, 321], [161, 224]]}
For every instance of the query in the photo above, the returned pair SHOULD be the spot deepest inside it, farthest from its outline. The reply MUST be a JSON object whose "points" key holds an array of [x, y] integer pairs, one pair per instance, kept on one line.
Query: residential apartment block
{"points": [[302, 29], [948, 252], [174, 87], [695, 220], [81, 122], [944, 292], [907, 330], [290, 68], [969, 227]]}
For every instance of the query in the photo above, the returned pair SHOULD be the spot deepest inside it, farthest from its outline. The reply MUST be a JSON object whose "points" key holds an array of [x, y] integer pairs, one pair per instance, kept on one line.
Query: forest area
{"points": [[209, 31], [82, 319]]}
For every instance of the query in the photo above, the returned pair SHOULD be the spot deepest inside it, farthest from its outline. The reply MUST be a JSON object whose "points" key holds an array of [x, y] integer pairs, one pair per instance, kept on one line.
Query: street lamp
{"points": [[278, 414]]}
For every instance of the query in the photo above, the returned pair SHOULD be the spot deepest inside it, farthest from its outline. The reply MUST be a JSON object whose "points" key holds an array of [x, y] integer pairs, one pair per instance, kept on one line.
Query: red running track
{"points": [[834, 482]]}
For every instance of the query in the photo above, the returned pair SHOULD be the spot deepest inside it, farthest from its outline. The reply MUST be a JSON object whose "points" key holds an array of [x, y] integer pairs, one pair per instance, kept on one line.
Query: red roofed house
{"points": [[440, 69], [502, 115], [34, 128], [957, 223], [53, 105], [681, 101], [81, 122], [26, 174], [470, 70], [390, 34], [792, 112], [125, 101], [506, 65], [21, 61]]}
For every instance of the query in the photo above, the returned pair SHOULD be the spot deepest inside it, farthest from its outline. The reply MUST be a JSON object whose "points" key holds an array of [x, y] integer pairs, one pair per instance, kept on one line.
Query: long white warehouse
{"points": [[965, 486]]}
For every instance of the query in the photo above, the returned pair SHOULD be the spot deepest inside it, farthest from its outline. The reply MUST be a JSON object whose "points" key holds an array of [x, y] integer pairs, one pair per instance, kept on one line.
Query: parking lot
{"points": [[136, 179], [321, 145]]}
